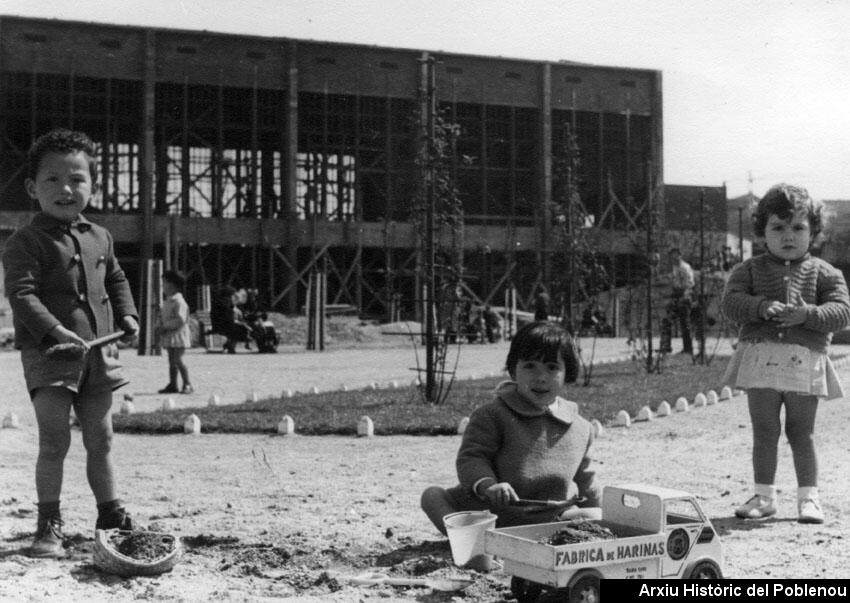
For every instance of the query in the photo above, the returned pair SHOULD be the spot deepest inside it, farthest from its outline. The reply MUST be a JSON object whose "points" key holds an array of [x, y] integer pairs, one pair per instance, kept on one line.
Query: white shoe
{"points": [[758, 507], [809, 511]]}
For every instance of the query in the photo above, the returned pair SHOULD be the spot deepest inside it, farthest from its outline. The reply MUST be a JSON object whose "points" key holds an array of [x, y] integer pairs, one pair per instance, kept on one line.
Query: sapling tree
{"points": [[439, 222], [579, 272]]}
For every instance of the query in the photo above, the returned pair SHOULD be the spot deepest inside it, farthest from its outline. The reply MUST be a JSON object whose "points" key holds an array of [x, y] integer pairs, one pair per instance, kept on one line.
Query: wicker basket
{"points": [[108, 559]]}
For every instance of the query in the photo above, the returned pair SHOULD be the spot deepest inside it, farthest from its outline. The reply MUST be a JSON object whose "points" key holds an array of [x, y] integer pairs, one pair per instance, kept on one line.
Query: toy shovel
{"points": [[75, 351], [531, 505], [440, 584]]}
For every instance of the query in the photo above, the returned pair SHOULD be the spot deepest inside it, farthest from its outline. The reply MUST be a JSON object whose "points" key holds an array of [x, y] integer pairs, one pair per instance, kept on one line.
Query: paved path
{"points": [[234, 376]]}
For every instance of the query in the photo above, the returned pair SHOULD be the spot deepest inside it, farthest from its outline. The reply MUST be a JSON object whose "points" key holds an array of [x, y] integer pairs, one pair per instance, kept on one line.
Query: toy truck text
{"points": [[660, 533]]}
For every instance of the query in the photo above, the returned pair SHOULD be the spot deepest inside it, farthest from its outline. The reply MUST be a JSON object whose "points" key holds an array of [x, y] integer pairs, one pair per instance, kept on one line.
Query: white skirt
{"points": [[783, 367]]}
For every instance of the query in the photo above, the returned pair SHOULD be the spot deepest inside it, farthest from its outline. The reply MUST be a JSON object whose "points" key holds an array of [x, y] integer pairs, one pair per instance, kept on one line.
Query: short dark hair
{"points": [[544, 341], [61, 140], [175, 277], [784, 200]]}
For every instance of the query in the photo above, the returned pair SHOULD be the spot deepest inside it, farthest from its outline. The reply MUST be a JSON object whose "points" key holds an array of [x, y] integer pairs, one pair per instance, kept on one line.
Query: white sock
{"points": [[805, 492], [766, 490]]}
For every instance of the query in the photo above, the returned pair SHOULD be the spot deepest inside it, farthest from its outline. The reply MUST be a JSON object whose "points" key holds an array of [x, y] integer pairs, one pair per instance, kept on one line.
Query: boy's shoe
{"points": [[48, 538], [169, 389], [119, 518], [187, 389], [758, 507], [809, 511]]}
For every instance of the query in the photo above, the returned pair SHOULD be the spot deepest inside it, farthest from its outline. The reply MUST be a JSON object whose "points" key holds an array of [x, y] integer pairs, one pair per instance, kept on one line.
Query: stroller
{"points": [[263, 332]]}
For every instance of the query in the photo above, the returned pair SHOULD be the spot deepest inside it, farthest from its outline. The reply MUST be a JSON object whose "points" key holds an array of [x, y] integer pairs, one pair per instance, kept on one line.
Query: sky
{"points": [[755, 92]]}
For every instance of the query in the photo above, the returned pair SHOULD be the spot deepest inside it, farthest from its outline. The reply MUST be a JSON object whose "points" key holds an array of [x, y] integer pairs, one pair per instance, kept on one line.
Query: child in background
{"points": [[173, 331], [527, 443], [65, 286], [788, 304]]}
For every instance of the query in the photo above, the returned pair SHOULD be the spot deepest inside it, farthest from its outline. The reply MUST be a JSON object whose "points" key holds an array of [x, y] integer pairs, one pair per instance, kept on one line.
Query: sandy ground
{"points": [[274, 517]]}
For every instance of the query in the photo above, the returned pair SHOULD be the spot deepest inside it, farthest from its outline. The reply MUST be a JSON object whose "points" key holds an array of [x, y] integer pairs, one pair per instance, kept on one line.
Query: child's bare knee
{"points": [[55, 446], [432, 496]]}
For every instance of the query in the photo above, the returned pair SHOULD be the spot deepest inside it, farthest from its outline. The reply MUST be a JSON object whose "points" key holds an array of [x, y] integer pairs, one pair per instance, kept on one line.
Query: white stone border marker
{"points": [[192, 425], [681, 404], [622, 419], [365, 427], [644, 414], [663, 409], [598, 430], [286, 426]]}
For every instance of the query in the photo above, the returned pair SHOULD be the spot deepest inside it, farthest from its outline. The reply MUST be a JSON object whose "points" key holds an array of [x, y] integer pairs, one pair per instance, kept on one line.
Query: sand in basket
{"points": [[466, 538]]}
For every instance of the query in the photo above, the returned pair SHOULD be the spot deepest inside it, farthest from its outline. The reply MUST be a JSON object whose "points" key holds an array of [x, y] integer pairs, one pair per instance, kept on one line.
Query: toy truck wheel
{"points": [[585, 590], [705, 570], [524, 590]]}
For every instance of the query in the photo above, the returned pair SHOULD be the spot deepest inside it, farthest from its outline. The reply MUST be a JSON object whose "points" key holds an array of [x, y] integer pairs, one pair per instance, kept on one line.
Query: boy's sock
{"points": [[109, 506], [48, 509], [111, 514]]}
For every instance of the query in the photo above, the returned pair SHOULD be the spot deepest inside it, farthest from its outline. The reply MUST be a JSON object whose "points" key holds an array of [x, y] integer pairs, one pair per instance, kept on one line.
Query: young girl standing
{"points": [[173, 330], [788, 304], [527, 443]]}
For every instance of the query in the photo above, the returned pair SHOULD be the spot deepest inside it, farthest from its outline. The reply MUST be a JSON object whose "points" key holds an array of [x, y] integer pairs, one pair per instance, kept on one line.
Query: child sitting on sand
{"points": [[528, 443]]}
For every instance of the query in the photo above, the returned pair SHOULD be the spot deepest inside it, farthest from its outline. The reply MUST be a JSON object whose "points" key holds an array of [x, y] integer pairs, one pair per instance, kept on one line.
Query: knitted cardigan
{"points": [[542, 453], [756, 282]]}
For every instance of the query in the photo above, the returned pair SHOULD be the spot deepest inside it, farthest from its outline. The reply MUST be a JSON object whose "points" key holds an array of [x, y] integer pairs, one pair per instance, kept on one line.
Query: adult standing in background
{"points": [[681, 298]]}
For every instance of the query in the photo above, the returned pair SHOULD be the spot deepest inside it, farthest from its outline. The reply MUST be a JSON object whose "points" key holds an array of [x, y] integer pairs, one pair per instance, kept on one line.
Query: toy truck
{"points": [[659, 533]]}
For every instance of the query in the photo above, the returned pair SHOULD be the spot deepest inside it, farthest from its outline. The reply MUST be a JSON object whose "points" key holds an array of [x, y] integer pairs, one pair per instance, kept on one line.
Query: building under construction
{"points": [[252, 161]]}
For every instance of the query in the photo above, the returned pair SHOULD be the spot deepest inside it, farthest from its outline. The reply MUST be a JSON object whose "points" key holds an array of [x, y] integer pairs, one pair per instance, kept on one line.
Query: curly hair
{"points": [[544, 341], [61, 140], [785, 200]]}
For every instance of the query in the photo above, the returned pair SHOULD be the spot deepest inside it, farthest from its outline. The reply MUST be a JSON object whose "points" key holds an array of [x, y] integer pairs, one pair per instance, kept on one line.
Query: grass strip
{"points": [[614, 387]]}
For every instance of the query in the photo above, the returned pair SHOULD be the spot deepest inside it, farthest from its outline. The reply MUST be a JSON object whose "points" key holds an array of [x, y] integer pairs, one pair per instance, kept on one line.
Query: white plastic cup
{"points": [[465, 530]]}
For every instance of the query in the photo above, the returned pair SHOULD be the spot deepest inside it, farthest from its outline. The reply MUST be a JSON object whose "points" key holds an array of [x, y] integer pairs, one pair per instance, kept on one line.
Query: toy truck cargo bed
{"points": [[526, 552]]}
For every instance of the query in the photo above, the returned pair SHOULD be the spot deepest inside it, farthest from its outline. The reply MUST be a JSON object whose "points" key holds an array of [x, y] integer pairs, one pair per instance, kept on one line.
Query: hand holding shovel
{"points": [[542, 505], [76, 351]]}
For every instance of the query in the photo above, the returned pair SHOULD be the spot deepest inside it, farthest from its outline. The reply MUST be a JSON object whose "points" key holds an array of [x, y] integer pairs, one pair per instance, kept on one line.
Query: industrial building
{"points": [[251, 161]]}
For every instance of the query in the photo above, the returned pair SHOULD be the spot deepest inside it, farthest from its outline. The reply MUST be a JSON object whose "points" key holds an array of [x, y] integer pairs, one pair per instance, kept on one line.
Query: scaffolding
{"points": [[250, 161]]}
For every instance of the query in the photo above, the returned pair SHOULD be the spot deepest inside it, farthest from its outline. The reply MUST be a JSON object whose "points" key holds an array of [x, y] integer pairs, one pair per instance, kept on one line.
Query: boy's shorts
{"points": [[98, 370]]}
